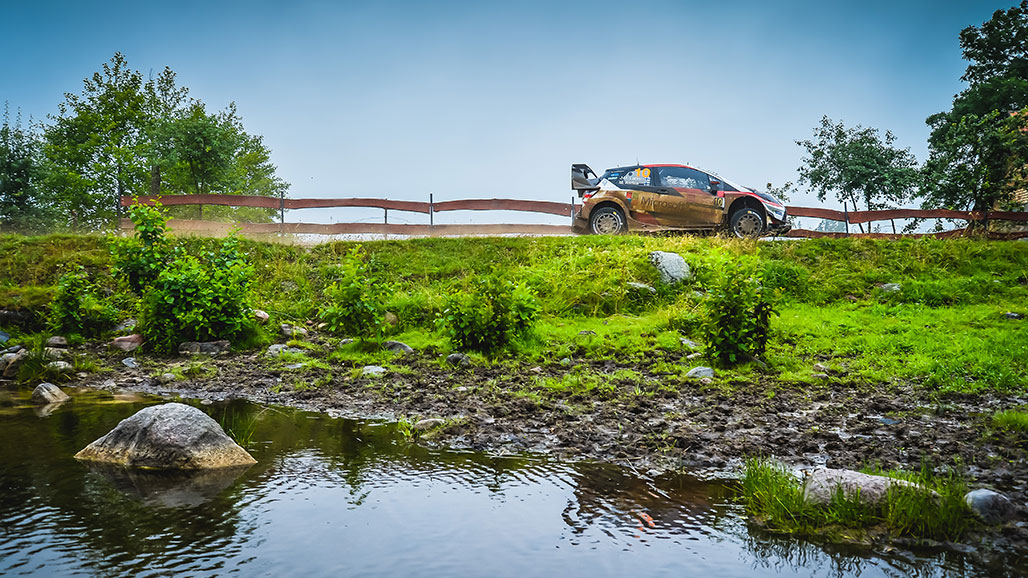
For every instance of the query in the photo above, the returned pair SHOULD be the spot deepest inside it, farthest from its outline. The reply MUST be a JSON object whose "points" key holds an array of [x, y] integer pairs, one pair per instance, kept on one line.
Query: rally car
{"points": [[672, 198]]}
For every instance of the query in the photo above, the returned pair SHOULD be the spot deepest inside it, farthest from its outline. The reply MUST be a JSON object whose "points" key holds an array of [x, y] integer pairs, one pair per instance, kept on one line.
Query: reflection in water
{"points": [[335, 497]]}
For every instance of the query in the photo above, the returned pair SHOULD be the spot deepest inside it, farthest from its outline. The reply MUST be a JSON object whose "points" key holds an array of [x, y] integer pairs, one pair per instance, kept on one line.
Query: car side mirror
{"points": [[714, 185]]}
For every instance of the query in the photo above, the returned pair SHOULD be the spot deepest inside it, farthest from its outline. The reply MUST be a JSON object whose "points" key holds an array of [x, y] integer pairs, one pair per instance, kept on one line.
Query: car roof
{"points": [[653, 166]]}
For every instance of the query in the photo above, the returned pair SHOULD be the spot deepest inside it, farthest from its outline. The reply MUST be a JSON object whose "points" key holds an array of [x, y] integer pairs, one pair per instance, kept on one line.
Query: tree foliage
{"points": [[857, 166], [979, 148], [21, 206]]}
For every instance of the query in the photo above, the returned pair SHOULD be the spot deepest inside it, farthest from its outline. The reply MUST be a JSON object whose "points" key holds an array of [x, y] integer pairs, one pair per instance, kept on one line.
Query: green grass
{"points": [[935, 509], [1011, 420], [944, 331]]}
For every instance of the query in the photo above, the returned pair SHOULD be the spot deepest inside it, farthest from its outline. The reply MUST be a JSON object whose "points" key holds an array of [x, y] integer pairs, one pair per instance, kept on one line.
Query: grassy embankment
{"points": [[944, 330]]}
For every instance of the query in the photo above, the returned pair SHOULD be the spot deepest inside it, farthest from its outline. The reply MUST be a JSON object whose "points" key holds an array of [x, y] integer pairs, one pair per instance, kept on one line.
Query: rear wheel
{"points": [[747, 222], [607, 221]]}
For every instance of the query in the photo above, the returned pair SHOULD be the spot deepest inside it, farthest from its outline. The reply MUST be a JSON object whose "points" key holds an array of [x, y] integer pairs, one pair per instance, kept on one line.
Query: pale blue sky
{"points": [[480, 99]]}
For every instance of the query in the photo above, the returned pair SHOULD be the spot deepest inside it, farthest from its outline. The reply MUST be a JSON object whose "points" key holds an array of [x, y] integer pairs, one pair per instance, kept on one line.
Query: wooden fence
{"points": [[545, 207]]}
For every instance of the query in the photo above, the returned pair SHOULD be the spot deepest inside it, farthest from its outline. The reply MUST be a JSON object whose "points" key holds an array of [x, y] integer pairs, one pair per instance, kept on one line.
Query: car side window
{"points": [[684, 178], [640, 177]]}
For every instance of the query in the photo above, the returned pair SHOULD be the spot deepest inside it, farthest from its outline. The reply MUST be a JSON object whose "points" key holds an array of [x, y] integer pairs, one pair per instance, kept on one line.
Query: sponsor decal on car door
{"points": [[699, 206]]}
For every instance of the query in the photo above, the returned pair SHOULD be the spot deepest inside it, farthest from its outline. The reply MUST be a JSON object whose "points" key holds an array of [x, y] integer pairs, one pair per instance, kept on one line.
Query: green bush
{"points": [[738, 313], [489, 315], [141, 259], [355, 302], [76, 310], [194, 301]]}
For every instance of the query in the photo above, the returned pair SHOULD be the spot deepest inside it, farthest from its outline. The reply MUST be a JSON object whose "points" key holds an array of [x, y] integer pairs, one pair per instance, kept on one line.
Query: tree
{"points": [[979, 148], [858, 166], [21, 206]]}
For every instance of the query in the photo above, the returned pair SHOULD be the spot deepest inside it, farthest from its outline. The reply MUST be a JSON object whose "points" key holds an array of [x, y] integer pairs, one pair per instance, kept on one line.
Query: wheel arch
{"points": [[746, 202]]}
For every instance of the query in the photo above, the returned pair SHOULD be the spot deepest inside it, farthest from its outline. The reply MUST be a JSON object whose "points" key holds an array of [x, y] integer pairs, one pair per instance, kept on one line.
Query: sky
{"points": [[481, 100]]}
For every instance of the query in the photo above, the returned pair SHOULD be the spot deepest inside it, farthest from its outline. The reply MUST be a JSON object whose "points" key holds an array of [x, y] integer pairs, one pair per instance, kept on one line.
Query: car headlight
{"points": [[777, 212]]}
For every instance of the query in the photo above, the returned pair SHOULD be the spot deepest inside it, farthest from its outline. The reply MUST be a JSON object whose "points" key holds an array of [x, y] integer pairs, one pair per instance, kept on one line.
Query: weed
{"points": [[739, 309], [354, 303], [489, 314], [1011, 420]]}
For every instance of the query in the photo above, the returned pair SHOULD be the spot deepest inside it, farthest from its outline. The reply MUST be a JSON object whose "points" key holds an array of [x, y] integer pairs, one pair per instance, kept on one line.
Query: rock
{"points": [[397, 347], [14, 363], [891, 287], [290, 331], [566, 361], [127, 343], [991, 507], [168, 436], [47, 393], [706, 381], [671, 266], [61, 366], [130, 362], [458, 360], [54, 353], [126, 325], [641, 287], [819, 375], [690, 344], [166, 378], [261, 316], [427, 424], [57, 341], [278, 349], [1012, 315], [5, 359], [169, 489], [373, 371], [695, 355], [391, 319], [204, 347], [820, 368], [822, 484], [345, 341], [701, 371], [587, 332]]}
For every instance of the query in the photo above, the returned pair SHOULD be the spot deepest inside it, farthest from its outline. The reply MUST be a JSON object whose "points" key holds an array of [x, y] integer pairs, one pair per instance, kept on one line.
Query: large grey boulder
{"points": [[671, 266], [989, 506], [823, 483], [47, 393], [701, 371], [170, 436]]}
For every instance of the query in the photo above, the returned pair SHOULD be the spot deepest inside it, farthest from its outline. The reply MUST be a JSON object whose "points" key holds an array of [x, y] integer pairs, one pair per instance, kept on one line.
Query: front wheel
{"points": [[747, 222], [607, 221]]}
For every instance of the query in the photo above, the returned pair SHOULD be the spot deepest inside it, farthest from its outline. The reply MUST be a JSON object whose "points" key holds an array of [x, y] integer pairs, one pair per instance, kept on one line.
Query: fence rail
{"points": [[544, 207]]}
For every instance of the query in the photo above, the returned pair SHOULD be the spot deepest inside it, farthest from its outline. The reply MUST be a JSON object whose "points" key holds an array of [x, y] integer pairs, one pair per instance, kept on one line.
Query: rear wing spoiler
{"points": [[583, 179]]}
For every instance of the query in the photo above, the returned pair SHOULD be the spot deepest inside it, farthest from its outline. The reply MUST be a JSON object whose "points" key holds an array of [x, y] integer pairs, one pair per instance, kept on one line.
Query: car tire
{"points": [[747, 223], [607, 221]]}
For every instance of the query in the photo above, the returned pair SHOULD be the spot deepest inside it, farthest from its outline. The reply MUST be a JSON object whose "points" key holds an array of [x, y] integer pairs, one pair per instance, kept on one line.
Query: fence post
{"points": [[431, 211], [846, 217], [385, 218], [572, 210], [282, 214]]}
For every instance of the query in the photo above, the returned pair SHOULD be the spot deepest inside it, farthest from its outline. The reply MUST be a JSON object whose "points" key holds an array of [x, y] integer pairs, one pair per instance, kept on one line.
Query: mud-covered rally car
{"points": [[672, 198]]}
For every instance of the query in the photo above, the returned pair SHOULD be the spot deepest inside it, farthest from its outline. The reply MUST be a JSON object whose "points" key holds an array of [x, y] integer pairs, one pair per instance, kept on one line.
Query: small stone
{"points": [[427, 424], [565, 361], [820, 368], [1012, 315], [587, 332], [290, 331], [891, 287], [47, 393], [127, 343], [823, 483], [641, 287], [61, 366], [278, 349], [689, 343], [696, 355], [991, 507], [373, 371], [391, 319], [13, 364], [130, 362], [126, 325], [706, 381], [166, 378], [204, 347], [458, 359], [294, 366], [261, 316], [54, 353], [397, 347], [819, 375], [57, 341], [671, 266], [82, 375], [345, 341], [701, 371]]}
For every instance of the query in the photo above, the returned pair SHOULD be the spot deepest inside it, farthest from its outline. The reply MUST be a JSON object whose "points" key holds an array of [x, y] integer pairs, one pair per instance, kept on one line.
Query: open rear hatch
{"points": [[583, 179]]}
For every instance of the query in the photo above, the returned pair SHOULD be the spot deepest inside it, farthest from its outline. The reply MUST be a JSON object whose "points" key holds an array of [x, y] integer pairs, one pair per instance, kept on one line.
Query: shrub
{"points": [[76, 310], [738, 313], [193, 301], [141, 259], [355, 303], [489, 315]]}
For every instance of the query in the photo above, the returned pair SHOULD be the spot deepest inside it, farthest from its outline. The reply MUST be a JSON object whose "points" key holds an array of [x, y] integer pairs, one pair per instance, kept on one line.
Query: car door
{"points": [[638, 186], [698, 206]]}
